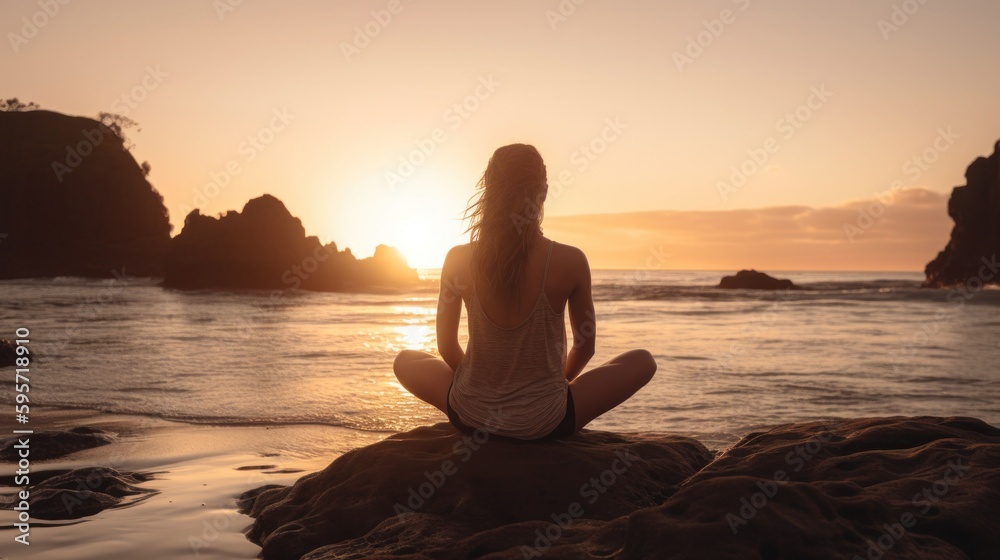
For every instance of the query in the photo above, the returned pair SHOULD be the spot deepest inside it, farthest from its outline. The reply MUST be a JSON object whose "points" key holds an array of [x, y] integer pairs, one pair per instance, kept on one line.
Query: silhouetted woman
{"points": [[516, 379]]}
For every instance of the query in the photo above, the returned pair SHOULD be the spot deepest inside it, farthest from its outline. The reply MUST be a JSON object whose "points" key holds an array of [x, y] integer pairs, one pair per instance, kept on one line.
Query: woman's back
{"points": [[512, 377], [559, 281]]}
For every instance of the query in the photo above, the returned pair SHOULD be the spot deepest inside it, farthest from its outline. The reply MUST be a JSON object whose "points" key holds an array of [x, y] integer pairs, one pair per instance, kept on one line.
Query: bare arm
{"points": [[449, 312], [582, 319]]}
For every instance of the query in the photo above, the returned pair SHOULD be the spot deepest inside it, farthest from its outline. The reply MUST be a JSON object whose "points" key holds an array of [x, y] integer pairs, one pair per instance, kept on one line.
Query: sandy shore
{"points": [[198, 470]]}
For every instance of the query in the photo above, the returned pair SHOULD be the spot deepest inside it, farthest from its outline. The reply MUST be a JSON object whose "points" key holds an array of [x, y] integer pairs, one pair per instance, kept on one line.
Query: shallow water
{"points": [[850, 344]]}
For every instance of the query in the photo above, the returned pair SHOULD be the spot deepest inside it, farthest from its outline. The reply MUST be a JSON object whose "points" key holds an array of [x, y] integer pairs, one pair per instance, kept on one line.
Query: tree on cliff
{"points": [[14, 105]]}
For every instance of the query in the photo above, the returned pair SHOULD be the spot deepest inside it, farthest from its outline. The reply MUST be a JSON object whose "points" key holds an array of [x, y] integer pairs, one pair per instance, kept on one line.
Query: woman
{"points": [[515, 379]]}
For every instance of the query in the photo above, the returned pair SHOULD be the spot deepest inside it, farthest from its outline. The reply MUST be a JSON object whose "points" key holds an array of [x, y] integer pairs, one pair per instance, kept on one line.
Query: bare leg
{"points": [[426, 376], [606, 386]]}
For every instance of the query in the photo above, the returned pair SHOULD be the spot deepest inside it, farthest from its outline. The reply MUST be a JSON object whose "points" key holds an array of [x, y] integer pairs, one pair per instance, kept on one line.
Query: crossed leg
{"points": [[425, 375], [608, 385]]}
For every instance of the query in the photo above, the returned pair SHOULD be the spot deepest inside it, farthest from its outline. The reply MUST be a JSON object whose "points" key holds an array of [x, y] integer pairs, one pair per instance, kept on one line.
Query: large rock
{"points": [[753, 280], [265, 247], [915, 488], [433, 486], [971, 254], [74, 202]]}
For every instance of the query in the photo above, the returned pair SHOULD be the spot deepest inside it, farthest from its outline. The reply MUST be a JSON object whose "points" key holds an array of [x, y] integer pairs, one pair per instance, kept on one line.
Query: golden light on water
{"points": [[417, 333]]}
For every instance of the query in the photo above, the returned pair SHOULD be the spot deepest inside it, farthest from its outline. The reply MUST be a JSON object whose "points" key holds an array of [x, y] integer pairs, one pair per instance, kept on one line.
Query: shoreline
{"points": [[197, 471]]}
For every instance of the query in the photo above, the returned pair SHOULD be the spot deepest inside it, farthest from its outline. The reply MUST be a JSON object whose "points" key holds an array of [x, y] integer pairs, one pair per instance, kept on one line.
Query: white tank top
{"points": [[511, 381]]}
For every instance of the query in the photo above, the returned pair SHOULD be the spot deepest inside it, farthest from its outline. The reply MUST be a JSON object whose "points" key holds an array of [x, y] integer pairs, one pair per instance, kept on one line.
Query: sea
{"points": [[849, 344]]}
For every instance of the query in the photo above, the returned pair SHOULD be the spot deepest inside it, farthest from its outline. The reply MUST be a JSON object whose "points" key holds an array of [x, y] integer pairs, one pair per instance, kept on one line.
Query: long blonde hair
{"points": [[506, 218]]}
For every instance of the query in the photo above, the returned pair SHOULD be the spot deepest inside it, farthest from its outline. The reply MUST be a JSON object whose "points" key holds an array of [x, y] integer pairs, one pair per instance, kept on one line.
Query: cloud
{"points": [[903, 231]]}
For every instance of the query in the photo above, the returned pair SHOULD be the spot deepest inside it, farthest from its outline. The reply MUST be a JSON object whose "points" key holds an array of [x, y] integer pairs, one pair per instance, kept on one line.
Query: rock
{"points": [[8, 354], [922, 488], [52, 445], [753, 280], [435, 485], [74, 202], [265, 247], [974, 247], [81, 492]]}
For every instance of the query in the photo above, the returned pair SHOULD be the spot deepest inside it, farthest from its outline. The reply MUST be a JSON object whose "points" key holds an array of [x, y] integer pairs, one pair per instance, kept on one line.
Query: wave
{"points": [[821, 293]]}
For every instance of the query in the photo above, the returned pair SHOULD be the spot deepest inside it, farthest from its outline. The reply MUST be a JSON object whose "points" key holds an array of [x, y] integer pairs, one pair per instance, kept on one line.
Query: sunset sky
{"points": [[641, 109]]}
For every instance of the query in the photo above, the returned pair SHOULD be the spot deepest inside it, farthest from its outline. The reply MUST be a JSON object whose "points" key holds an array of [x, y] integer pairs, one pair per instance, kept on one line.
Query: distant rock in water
{"points": [[753, 280], [74, 202], [265, 247], [924, 487], [972, 253]]}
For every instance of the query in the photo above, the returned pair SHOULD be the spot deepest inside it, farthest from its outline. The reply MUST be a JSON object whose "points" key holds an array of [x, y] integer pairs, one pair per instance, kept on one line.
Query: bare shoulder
{"points": [[457, 255], [571, 265], [570, 257]]}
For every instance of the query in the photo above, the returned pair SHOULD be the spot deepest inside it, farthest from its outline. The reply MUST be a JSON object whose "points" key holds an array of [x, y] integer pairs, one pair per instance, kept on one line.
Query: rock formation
{"points": [[265, 247], [922, 488], [52, 445], [81, 492], [971, 254], [74, 202], [753, 280]]}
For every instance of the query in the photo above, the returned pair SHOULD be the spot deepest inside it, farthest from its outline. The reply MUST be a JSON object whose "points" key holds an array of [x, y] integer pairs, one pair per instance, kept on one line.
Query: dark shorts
{"points": [[565, 428]]}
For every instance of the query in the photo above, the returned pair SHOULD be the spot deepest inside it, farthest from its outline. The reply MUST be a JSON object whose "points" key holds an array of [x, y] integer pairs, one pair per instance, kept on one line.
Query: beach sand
{"points": [[198, 470]]}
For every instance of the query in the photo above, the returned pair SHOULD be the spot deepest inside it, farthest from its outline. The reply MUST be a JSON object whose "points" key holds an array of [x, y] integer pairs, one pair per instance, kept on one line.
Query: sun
{"points": [[423, 230]]}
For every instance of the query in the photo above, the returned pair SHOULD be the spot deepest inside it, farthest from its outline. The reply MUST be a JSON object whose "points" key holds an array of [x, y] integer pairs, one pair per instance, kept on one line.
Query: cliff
{"points": [[971, 255], [74, 202]]}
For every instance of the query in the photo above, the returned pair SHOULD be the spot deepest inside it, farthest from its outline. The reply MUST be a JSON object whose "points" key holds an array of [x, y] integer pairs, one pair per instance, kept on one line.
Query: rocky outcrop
{"points": [[265, 247], [922, 488], [80, 492], [52, 445], [74, 202], [434, 477], [971, 255], [753, 280]]}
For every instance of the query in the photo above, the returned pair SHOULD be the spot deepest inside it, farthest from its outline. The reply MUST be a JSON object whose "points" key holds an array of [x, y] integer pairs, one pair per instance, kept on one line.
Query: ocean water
{"points": [[729, 362]]}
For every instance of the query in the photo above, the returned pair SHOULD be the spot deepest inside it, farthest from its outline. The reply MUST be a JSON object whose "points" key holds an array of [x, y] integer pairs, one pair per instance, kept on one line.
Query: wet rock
{"points": [[52, 445]]}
